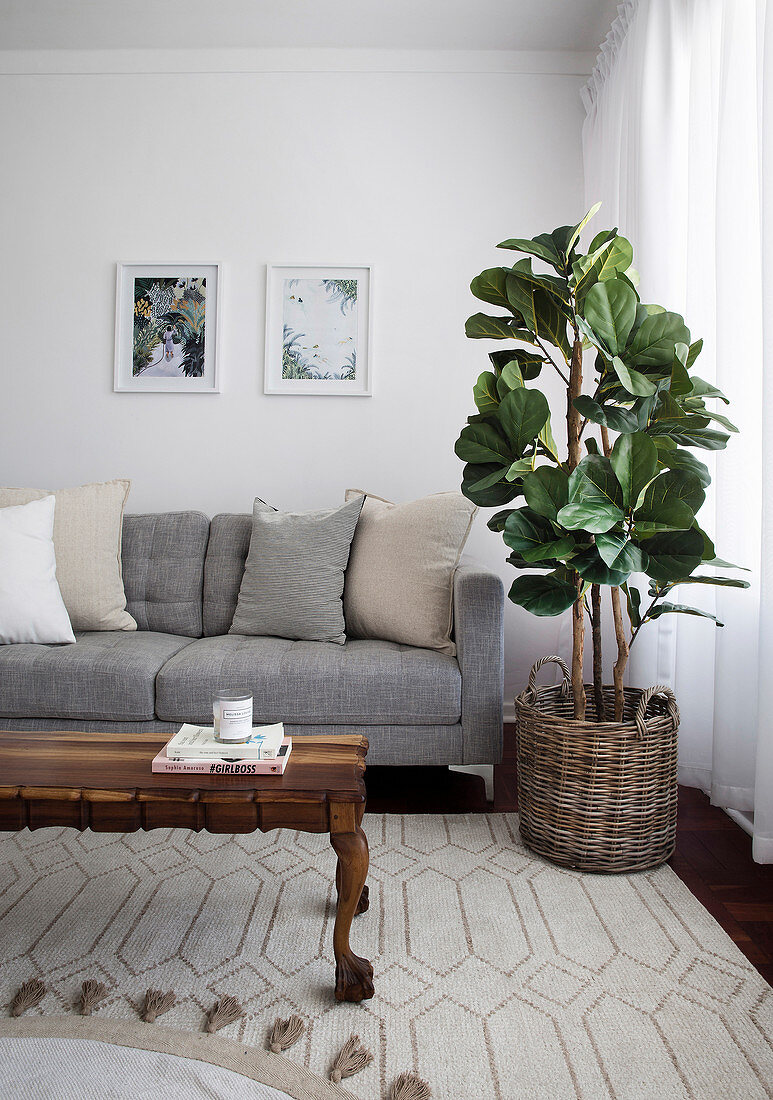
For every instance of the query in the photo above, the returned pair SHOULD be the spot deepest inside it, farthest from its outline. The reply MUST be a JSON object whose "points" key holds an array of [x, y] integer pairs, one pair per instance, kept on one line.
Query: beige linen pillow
{"points": [[399, 581], [87, 542]]}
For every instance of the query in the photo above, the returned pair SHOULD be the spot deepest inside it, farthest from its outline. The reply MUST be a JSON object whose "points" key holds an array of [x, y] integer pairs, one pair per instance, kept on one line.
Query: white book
{"points": [[199, 743]]}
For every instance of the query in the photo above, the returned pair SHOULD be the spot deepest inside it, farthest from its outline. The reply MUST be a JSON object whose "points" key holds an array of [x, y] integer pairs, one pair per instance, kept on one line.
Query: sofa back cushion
{"points": [[163, 570], [229, 542]]}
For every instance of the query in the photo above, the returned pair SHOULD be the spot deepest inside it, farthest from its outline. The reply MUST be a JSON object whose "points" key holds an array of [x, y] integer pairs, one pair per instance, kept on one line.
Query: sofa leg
{"points": [[505, 791]]}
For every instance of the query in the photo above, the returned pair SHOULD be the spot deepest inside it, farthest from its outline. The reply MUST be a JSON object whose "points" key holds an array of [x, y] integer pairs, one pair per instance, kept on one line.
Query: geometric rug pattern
{"points": [[498, 975]]}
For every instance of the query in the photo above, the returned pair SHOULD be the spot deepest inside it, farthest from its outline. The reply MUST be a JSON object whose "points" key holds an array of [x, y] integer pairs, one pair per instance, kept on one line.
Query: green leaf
{"points": [[492, 478], [683, 460], [485, 393], [705, 389], [633, 601], [610, 309], [720, 563], [520, 563], [634, 459], [692, 355], [575, 236], [489, 286], [544, 596], [632, 380], [551, 322], [546, 491], [495, 496], [591, 567], [610, 416], [722, 582], [522, 414], [670, 502], [510, 379], [690, 432], [527, 363], [591, 446], [673, 554], [483, 443], [497, 521], [654, 341], [594, 481], [620, 554], [520, 467], [525, 531], [720, 419], [543, 247], [680, 609], [709, 553], [606, 262], [482, 327], [681, 383], [601, 238], [545, 437], [589, 516]]}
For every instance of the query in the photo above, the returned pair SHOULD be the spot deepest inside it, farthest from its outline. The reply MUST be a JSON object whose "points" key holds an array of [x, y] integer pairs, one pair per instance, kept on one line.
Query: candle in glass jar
{"points": [[232, 714]]}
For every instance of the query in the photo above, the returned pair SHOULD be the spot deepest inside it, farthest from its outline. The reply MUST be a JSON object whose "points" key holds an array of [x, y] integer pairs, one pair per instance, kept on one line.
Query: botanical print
{"points": [[319, 329], [169, 327]]}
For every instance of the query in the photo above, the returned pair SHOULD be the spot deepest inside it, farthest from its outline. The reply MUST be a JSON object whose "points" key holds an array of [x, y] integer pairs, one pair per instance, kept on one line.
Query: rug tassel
{"points": [[156, 1004], [92, 992], [352, 1058], [409, 1087], [223, 1012], [29, 994], [284, 1033]]}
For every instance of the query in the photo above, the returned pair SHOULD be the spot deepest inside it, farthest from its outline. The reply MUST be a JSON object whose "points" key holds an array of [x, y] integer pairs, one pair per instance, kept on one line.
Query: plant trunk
{"points": [[617, 614], [622, 655], [598, 664], [573, 426]]}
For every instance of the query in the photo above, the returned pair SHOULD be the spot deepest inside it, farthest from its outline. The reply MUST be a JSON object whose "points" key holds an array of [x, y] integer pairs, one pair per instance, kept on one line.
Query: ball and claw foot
{"points": [[354, 979], [364, 903]]}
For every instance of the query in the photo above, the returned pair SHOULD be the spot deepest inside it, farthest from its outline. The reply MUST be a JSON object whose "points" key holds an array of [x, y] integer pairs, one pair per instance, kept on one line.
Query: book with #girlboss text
{"points": [[214, 766], [199, 743]]}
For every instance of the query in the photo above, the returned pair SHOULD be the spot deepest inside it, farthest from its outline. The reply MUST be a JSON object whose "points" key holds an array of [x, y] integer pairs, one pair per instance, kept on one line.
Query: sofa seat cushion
{"points": [[107, 674], [364, 682]]}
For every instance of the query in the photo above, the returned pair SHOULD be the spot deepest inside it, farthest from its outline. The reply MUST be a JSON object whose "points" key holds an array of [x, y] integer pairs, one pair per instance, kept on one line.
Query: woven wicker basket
{"points": [[597, 796]]}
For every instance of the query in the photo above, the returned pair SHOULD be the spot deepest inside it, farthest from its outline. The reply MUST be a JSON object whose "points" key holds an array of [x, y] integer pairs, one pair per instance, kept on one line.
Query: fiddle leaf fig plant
{"points": [[616, 508]]}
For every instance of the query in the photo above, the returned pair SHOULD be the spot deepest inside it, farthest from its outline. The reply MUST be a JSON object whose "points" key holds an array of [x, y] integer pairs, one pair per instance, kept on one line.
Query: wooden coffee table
{"points": [[103, 781]]}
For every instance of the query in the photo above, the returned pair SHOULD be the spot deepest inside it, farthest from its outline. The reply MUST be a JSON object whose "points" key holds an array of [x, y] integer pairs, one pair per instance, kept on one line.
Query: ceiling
{"points": [[364, 24]]}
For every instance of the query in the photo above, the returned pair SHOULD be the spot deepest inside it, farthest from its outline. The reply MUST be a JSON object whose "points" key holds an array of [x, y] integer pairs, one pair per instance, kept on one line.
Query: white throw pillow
{"points": [[31, 605], [87, 541]]}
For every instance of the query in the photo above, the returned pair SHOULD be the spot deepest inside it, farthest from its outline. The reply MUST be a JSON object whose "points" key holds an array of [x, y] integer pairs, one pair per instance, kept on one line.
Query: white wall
{"points": [[417, 172]]}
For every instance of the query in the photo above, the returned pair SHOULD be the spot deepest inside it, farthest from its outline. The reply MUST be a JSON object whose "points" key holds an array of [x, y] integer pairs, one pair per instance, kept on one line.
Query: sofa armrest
{"points": [[479, 635]]}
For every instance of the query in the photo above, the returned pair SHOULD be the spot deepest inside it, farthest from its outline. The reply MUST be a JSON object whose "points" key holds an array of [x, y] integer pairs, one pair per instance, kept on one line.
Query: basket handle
{"points": [[641, 710], [531, 691]]}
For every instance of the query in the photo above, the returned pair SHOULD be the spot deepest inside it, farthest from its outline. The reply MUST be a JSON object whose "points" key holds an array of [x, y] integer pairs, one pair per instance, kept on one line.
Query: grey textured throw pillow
{"points": [[294, 574]]}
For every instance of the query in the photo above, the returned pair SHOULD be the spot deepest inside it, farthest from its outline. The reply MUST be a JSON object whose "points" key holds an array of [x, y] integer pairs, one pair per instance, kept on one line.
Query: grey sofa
{"points": [[182, 575]]}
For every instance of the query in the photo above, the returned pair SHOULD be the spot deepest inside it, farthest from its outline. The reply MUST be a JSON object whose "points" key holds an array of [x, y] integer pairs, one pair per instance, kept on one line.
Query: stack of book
{"points": [[195, 749]]}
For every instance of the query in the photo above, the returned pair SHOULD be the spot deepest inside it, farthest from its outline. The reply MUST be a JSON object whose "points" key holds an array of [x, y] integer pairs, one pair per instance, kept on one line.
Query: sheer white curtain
{"points": [[677, 146]]}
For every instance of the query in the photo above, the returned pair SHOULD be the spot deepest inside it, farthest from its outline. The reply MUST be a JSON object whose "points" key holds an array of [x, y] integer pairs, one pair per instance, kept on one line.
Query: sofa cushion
{"points": [[294, 574], [107, 674], [87, 542], [229, 542], [368, 682], [163, 570]]}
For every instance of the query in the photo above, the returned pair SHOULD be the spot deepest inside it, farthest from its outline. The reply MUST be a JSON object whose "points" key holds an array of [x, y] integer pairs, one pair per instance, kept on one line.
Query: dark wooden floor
{"points": [[712, 857]]}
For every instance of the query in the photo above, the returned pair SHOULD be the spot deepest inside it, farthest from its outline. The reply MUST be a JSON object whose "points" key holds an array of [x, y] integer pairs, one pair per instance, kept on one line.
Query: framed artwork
{"points": [[319, 330], [167, 328]]}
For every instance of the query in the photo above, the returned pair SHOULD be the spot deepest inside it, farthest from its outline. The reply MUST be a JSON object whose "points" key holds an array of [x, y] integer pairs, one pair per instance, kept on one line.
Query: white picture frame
{"points": [[319, 330], [164, 327]]}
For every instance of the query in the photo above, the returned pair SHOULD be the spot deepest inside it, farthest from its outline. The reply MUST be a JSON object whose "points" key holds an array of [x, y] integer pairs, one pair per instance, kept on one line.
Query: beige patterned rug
{"points": [[498, 976]]}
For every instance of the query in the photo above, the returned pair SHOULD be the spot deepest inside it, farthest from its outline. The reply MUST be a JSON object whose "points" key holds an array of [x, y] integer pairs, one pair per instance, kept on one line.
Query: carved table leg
{"points": [[363, 905], [354, 976]]}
